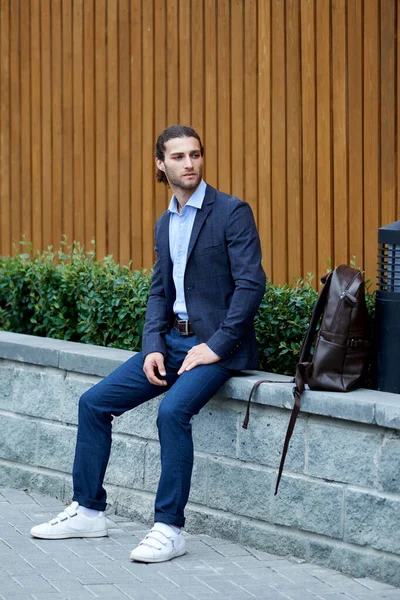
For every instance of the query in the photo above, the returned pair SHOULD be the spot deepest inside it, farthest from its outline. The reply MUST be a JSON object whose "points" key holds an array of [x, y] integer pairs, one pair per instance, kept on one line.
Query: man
{"points": [[206, 287]]}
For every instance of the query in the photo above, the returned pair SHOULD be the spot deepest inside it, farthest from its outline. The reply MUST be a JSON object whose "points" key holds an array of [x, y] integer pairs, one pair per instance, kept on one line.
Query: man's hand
{"points": [[153, 366], [198, 355]]}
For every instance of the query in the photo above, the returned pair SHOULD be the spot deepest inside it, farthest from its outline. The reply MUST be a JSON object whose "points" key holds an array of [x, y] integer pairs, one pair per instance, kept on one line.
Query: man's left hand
{"points": [[198, 355]]}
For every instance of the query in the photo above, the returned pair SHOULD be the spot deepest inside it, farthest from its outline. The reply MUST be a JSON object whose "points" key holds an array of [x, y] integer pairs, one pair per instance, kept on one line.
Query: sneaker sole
{"points": [[158, 560], [65, 536]]}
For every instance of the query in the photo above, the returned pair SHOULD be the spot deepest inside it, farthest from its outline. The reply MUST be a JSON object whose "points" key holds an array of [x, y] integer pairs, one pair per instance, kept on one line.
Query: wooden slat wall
{"points": [[297, 102]]}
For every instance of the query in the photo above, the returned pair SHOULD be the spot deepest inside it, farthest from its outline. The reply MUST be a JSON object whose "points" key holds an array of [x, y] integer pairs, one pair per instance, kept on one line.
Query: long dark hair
{"points": [[175, 131]]}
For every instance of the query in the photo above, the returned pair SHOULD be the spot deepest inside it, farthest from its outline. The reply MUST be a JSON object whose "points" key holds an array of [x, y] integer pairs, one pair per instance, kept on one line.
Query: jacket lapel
{"points": [[163, 236], [201, 216], [165, 256]]}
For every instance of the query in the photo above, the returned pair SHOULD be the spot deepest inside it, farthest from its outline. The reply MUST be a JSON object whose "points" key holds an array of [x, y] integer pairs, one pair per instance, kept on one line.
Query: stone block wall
{"points": [[339, 500]]}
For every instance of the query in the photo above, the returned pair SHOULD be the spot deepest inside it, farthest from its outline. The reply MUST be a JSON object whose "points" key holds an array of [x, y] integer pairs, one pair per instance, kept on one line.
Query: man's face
{"points": [[183, 163]]}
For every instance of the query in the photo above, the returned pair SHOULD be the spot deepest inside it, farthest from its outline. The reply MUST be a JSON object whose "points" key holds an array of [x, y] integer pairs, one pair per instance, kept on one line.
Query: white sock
{"points": [[176, 530], [88, 512]]}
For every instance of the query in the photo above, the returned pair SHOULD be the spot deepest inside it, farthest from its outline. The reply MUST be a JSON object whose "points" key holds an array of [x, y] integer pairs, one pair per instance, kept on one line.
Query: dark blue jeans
{"points": [[128, 387]]}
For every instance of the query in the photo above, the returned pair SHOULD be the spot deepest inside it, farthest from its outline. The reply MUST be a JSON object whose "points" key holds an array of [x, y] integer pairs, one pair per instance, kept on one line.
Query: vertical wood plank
{"points": [[112, 130], [340, 215], [185, 99], [309, 224], [56, 122], [26, 140], [15, 103], [88, 57], [124, 134], [78, 142], [278, 133], [101, 128], [197, 66], [371, 135], [293, 139], [224, 97], [211, 107], [46, 143], [160, 93], [68, 122], [355, 133], [264, 133], [388, 112], [148, 133], [172, 63], [136, 135], [36, 95], [250, 104], [237, 97], [5, 138], [324, 138], [15, 122]]}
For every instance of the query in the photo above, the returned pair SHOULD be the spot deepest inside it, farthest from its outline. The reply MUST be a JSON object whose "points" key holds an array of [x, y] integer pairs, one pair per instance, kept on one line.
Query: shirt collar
{"points": [[195, 200]]}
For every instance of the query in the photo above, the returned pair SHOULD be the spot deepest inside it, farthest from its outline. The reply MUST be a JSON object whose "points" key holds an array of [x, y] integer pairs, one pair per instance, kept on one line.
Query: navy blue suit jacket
{"points": [[224, 281]]}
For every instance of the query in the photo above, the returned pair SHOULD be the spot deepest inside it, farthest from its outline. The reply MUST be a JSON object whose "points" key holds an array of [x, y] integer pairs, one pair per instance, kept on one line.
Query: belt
{"points": [[183, 327]]}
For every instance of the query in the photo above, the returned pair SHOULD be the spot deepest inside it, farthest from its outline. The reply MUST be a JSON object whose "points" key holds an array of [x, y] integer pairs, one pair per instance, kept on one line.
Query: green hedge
{"points": [[70, 295]]}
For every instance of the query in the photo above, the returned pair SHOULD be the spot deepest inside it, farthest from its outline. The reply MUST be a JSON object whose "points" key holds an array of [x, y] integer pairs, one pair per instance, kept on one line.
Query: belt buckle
{"points": [[185, 325]]}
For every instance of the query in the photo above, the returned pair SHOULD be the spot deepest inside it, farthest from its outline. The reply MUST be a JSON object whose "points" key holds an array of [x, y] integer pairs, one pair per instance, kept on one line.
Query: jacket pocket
{"points": [[206, 250]]}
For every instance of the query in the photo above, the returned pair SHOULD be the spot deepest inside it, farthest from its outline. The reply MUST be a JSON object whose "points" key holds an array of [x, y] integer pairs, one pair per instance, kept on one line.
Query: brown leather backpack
{"points": [[342, 346]]}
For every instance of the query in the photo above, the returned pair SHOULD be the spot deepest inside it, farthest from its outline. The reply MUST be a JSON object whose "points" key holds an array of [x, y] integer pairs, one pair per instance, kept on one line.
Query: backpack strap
{"points": [[298, 390], [301, 368], [315, 317], [253, 389], [305, 347]]}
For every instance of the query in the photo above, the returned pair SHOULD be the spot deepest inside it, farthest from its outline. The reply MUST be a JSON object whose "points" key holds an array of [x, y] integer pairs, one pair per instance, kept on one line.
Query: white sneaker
{"points": [[71, 524], [160, 544]]}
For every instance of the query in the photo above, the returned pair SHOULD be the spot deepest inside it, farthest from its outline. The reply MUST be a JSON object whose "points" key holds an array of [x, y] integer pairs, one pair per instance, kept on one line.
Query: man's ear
{"points": [[160, 164]]}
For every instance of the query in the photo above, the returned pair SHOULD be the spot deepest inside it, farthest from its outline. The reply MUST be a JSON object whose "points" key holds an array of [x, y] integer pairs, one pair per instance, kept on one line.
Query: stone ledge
{"points": [[361, 406], [70, 356]]}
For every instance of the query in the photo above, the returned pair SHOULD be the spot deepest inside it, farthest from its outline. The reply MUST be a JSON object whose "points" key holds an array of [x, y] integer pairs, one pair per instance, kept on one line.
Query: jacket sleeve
{"points": [[244, 252], [156, 322]]}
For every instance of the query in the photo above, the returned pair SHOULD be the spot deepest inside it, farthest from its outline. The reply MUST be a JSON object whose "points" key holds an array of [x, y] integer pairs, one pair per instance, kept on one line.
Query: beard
{"points": [[180, 182]]}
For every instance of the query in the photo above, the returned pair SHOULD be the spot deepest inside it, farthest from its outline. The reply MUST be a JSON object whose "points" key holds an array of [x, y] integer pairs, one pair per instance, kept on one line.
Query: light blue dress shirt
{"points": [[180, 229]]}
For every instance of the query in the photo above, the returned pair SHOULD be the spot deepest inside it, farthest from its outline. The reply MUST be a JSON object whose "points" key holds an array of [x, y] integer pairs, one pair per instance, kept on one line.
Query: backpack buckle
{"points": [[357, 343]]}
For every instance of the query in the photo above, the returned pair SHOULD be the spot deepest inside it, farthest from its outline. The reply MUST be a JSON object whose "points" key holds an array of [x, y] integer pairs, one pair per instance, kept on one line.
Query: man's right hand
{"points": [[153, 366]]}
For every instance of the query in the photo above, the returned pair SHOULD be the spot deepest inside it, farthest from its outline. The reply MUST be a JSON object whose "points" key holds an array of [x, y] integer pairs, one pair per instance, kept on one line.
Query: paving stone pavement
{"points": [[84, 569]]}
